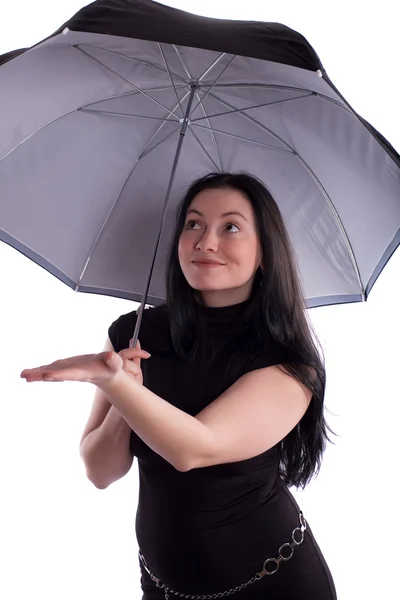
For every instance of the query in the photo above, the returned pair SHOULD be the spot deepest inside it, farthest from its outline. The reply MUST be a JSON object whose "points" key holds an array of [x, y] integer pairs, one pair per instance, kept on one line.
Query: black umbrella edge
{"points": [[152, 21]]}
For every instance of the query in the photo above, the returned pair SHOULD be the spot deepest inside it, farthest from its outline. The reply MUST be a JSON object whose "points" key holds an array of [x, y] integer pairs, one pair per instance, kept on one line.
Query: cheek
{"points": [[248, 254], [185, 241], [182, 247], [242, 247]]}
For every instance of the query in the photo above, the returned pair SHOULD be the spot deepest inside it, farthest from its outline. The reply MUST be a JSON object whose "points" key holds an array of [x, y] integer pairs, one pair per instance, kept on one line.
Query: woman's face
{"points": [[210, 233]]}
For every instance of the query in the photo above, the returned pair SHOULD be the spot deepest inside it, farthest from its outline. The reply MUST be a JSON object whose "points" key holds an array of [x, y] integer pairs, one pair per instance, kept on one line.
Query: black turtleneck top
{"points": [[210, 529]]}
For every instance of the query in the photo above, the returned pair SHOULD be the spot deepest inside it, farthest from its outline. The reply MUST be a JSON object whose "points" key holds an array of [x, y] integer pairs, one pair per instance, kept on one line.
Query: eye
{"points": [[189, 223], [232, 225]]}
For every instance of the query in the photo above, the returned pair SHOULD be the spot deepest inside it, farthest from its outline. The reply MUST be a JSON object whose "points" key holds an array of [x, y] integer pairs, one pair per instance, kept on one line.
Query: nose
{"points": [[207, 242]]}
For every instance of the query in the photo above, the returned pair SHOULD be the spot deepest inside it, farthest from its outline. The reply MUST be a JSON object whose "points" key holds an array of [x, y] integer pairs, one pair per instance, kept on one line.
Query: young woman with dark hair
{"points": [[225, 416]]}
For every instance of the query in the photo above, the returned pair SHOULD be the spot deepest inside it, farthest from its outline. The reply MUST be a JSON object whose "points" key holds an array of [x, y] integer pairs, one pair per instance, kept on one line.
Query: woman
{"points": [[231, 411]]}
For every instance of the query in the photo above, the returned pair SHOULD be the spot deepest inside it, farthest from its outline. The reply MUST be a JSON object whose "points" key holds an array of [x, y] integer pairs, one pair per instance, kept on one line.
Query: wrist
{"points": [[115, 382]]}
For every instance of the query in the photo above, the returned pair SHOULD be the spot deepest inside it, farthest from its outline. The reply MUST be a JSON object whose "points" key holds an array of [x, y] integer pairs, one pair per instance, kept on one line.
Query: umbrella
{"points": [[106, 122]]}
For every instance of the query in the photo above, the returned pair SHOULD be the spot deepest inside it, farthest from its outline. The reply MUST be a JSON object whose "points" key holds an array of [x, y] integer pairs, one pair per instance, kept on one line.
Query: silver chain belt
{"points": [[276, 562]]}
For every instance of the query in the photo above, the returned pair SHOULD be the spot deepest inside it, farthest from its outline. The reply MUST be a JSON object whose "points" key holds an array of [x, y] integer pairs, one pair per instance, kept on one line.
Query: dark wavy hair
{"points": [[276, 314]]}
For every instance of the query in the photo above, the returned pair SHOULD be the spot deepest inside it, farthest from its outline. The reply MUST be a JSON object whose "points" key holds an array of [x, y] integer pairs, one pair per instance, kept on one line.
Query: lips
{"points": [[207, 262]]}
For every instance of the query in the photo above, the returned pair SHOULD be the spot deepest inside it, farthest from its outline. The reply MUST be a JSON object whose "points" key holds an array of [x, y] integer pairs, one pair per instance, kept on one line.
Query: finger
{"points": [[133, 353], [72, 374], [139, 353], [38, 371], [33, 372], [131, 367], [30, 376], [53, 375]]}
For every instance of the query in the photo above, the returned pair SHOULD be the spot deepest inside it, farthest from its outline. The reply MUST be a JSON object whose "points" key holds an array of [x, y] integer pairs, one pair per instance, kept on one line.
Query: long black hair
{"points": [[276, 314]]}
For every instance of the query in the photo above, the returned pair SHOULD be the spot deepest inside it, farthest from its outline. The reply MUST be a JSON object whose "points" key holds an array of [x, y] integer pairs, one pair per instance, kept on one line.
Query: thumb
{"points": [[113, 361]]}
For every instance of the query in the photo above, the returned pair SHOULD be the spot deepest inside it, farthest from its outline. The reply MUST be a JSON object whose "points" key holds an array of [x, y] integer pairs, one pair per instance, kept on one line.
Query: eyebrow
{"points": [[227, 214]]}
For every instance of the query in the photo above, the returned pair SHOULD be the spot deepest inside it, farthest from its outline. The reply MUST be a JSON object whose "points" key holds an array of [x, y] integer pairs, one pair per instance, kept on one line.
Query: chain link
{"points": [[290, 546]]}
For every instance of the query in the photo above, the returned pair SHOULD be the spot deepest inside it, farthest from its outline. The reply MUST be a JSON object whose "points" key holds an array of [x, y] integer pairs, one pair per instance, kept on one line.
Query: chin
{"points": [[206, 288], [215, 286]]}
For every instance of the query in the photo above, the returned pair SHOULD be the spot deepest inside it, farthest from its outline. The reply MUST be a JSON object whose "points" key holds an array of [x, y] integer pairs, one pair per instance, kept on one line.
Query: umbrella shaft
{"points": [[185, 123]]}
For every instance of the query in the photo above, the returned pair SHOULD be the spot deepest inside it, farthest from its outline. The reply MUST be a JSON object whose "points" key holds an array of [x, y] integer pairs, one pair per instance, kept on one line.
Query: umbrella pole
{"points": [[185, 121]]}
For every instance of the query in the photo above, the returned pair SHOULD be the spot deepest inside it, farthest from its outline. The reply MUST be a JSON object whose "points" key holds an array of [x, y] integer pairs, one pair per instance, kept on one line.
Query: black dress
{"points": [[210, 529]]}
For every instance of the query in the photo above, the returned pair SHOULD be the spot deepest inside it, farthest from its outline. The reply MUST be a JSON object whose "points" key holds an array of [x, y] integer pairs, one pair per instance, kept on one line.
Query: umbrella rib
{"points": [[69, 112], [116, 114], [240, 110], [255, 122], [244, 139], [337, 219], [143, 151], [176, 106], [125, 95], [161, 126], [319, 185], [25, 139], [125, 80], [170, 76], [216, 149], [96, 240], [182, 62], [206, 151], [216, 61], [283, 87], [217, 152], [147, 151], [215, 82], [132, 58]]}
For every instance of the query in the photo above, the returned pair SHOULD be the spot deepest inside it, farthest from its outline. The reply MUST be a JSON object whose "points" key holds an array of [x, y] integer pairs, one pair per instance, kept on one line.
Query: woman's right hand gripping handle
{"points": [[132, 361]]}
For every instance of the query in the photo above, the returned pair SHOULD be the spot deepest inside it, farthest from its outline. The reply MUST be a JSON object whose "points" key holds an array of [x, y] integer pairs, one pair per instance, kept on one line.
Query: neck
{"points": [[220, 298]]}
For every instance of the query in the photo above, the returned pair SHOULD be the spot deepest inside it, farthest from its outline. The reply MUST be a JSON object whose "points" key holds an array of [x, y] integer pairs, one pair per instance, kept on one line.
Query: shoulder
{"points": [[268, 357], [154, 324], [275, 368]]}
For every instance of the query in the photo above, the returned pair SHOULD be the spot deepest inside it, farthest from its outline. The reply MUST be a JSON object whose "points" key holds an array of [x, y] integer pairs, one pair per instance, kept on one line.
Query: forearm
{"points": [[105, 451], [173, 434], [114, 426]]}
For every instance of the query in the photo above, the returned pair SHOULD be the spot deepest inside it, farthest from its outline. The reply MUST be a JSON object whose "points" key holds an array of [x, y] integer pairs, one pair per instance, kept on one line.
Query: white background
{"points": [[61, 538]]}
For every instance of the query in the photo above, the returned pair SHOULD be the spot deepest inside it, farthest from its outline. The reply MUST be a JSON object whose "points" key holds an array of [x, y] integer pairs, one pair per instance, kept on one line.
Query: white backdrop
{"points": [[61, 538]]}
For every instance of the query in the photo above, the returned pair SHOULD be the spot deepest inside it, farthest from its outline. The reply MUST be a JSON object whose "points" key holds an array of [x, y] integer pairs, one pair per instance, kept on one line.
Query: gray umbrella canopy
{"points": [[91, 131]]}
